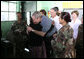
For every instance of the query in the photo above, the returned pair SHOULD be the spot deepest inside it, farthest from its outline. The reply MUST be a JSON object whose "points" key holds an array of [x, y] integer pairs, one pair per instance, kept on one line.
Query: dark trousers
{"points": [[38, 51], [19, 53], [48, 47]]}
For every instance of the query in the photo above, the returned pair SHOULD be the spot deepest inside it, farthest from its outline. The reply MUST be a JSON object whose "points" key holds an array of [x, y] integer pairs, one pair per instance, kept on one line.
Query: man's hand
{"points": [[29, 29], [54, 35]]}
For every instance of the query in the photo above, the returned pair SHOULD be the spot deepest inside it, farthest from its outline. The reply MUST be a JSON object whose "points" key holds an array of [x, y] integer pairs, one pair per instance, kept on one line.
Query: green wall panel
{"points": [[5, 27]]}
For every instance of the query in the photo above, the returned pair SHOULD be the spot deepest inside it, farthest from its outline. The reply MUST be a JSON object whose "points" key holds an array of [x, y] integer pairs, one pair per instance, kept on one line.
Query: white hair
{"points": [[37, 14]]}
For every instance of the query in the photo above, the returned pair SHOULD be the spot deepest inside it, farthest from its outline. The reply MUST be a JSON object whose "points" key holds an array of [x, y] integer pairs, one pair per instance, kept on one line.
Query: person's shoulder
{"points": [[78, 20], [70, 27], [56, 16], [15, 22], [46, 18]]}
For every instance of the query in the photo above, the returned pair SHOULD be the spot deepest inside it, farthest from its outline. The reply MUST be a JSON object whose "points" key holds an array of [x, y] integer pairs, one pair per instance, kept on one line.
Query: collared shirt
{"points": [[75, 26], [57, 24], [46, 24]]}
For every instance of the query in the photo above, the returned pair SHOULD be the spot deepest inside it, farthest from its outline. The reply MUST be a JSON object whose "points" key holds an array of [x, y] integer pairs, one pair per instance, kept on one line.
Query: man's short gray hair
{"points": [[37, 14]]}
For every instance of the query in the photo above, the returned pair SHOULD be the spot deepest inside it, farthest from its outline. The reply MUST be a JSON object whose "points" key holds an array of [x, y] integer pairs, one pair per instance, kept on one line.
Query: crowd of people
{"points": [[54, 37]]}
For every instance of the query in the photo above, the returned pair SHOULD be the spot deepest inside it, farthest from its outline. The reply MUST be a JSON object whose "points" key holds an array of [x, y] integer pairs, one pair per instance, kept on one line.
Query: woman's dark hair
{"points": [[43, 11], [65, 16]]}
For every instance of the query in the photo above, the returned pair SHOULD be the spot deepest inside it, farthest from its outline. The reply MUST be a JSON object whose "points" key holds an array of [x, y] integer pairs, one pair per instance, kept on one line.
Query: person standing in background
{"points": [[43, 12], [75, 23], [55, 18], [20, 35], [47, 24], [79, 41], [58, 12]]}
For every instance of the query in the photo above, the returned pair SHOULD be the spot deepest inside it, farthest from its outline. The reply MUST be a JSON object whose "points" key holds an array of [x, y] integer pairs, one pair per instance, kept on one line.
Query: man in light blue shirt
{"points": [[46, 24]]}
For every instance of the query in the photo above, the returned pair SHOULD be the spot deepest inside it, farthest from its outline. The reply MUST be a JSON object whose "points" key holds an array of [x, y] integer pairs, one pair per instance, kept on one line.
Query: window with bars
{"points": [[9, 9]]}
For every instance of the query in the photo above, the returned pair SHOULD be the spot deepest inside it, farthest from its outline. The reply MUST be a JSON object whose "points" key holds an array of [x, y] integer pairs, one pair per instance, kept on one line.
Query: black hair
{"points": [[55, 9], [65, 16], [43, 11]]}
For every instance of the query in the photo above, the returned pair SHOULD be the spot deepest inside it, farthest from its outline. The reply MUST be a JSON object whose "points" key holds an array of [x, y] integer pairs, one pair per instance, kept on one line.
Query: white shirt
{"points": [[57, 24], [75, 26]]}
